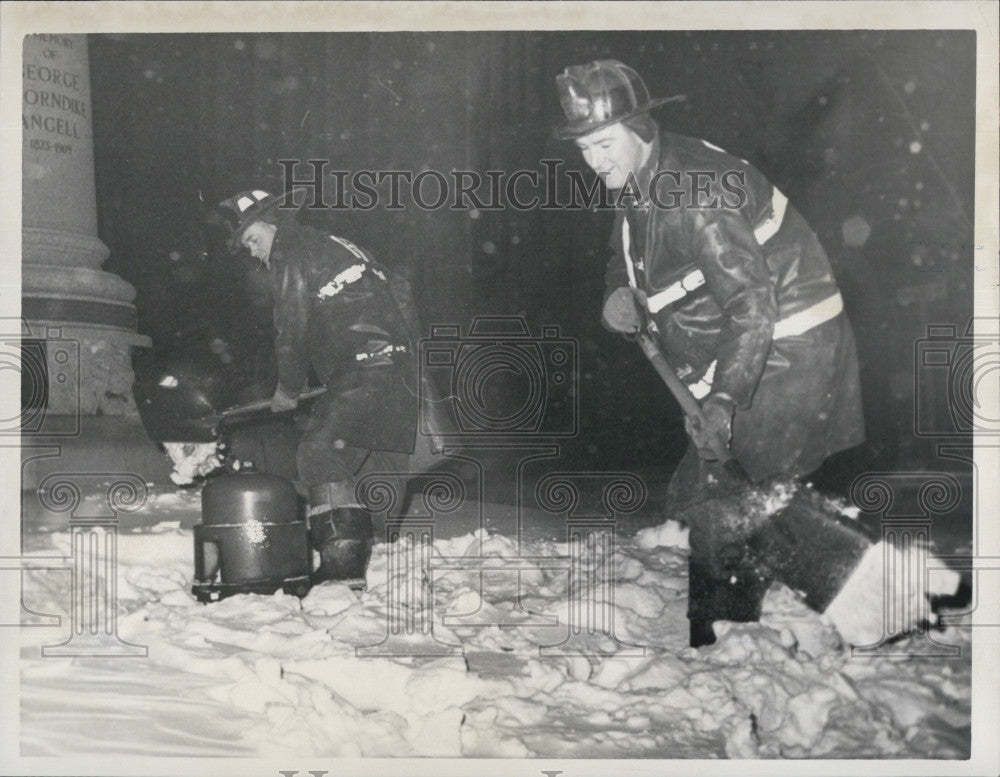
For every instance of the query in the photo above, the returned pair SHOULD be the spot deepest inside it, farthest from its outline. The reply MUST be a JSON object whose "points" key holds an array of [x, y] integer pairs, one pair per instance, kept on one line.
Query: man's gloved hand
{"points": [[716, 424], [282, 402], [620, 312]]}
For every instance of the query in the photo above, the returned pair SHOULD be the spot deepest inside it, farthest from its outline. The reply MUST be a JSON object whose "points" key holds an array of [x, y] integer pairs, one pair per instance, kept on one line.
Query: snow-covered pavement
{"points": [[273, 675]]}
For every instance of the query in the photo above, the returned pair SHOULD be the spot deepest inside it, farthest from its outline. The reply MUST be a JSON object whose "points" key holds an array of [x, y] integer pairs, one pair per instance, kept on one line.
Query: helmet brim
{"points": [[265, 208], [572, 130]]}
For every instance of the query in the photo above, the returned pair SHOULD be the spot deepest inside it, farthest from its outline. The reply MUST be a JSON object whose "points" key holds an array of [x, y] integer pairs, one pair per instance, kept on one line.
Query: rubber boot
{"points": [[746, 584], [727, 587], [702, 593], [342, 535]]}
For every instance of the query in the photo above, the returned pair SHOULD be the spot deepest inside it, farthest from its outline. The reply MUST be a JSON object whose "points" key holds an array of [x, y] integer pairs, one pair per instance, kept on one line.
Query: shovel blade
{"points": [[179, 414], [811, 548]]}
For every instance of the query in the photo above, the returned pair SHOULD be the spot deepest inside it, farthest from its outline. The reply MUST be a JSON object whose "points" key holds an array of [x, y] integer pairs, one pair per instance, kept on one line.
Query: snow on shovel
{"points": [[836, 564]]}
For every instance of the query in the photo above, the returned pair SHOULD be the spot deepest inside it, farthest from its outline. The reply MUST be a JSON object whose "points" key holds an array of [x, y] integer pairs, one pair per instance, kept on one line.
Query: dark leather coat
{"points": [[751, 262], [747, 286], [340, 312]]}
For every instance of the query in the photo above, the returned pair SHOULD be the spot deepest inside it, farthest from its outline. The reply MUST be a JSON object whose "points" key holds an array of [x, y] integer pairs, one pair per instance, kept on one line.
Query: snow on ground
{"points": [[273, 675]]}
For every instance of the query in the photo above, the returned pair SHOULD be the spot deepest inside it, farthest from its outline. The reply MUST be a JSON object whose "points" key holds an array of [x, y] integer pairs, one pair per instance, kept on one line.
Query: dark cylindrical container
{"points": [[248, 496], [251, 534]]}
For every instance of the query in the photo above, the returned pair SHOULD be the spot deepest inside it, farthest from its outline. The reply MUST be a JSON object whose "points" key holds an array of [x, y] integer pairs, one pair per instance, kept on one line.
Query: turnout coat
{"points": [[341, 313], [740, 296]]}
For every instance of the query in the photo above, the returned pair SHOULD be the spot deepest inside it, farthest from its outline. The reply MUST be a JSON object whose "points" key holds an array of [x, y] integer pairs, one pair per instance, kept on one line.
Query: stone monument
{"points": [[72, 307]]}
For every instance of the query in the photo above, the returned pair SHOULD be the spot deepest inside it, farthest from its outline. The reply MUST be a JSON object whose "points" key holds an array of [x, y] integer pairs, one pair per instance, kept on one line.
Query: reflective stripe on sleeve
{"points": [[770, 226], [349, 246], [693, 280], [342, 279], [352, 273], [626, 252], [359, 254], [675, 291], [796, 324], [801, 322]]}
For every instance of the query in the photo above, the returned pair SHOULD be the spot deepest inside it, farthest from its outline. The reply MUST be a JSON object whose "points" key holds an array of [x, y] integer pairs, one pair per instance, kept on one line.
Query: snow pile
{"points": [[464, 646], [192, 459], [670, 534], [173, 501]]}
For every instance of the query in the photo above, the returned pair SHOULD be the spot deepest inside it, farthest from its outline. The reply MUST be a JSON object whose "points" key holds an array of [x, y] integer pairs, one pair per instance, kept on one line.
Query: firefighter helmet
{"points": [[599, 94], [254, 204]]}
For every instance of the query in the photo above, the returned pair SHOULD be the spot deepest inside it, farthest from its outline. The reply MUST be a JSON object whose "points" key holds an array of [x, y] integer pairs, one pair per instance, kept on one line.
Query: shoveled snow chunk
{"points": [[859, 609], [667, 535]]}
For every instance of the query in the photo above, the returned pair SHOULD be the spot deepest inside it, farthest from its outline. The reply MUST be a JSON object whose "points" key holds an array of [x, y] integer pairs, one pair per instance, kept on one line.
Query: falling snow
{"points": [[856, 231]]}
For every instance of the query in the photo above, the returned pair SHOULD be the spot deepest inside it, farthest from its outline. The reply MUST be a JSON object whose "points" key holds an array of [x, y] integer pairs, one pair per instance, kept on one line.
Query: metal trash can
{"points": [[251, 539]]}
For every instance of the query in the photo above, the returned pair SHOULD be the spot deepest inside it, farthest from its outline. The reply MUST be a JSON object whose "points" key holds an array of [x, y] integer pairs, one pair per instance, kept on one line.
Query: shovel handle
{"points": [[262, 404], [681, 392], [688, 403]]}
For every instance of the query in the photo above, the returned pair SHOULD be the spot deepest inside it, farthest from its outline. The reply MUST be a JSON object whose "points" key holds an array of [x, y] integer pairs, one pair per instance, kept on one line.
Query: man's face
{"points": [[258, 238], [613, 152]]}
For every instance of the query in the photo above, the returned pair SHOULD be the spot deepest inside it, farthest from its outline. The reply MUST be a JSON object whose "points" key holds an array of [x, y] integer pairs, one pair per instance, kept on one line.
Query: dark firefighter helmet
{"points": [[254, 204], [599, 94]]}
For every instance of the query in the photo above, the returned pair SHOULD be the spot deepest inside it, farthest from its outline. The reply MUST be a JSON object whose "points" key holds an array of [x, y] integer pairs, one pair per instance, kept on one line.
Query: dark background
{"points": [[870, 134]]}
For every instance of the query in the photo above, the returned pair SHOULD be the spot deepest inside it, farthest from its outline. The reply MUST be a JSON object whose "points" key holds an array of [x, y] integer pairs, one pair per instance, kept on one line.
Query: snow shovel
{"points": [[184, 413], [805, 545], [689, 404]]}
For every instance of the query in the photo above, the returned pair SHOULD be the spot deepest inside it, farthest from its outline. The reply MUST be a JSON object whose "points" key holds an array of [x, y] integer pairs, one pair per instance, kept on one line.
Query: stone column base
{"points": [[89, 370]]}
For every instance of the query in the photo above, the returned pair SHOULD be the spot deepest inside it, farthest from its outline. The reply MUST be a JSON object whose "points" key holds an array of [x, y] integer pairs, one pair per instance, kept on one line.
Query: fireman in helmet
{"points": [[725, 275], [349, 319]]}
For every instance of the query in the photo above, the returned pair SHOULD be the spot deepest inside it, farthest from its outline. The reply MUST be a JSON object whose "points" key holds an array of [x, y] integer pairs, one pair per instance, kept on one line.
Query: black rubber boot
{"points": [[702, 595], [342, 535], [702, 633], [728, 587], [745, 584]]}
